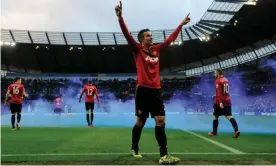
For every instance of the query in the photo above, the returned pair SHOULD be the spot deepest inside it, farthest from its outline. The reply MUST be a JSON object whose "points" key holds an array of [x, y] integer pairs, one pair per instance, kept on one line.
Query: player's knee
{"points": [[229, 117], [160, 121], [215, 118], [140, 122], [139, 112], [87, 111]]}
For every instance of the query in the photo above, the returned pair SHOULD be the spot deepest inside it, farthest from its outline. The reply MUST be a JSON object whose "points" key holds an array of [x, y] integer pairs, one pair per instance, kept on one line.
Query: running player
{"points": [[148, 95], [222, 105], [17, 93], [90, 91]]}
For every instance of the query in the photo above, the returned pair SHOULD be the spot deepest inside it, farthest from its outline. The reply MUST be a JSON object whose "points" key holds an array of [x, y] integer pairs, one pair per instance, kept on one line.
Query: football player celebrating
{"points": [[148, 96]]}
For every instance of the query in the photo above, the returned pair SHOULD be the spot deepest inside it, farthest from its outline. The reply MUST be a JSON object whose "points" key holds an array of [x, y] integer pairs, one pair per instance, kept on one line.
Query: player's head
{"points": [[18, 80], [145, 37], [218, 73], [89, 82]]}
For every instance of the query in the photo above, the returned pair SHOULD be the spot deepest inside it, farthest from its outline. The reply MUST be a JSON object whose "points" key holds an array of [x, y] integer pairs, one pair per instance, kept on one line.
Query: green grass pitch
{"points": [[99, 145]]}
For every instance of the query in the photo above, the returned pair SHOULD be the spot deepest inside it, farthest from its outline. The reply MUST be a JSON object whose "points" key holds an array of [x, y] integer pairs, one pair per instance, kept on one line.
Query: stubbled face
{"points": [[147, 39]]}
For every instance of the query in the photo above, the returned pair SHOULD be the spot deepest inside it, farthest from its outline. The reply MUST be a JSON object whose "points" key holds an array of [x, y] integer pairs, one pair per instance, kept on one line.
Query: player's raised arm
{"points": [[174, 35], [128, 36]]}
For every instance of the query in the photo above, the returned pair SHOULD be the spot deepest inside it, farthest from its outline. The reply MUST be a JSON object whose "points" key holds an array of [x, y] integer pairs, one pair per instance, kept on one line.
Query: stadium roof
{"points": [[219, 14], [223, 30]]}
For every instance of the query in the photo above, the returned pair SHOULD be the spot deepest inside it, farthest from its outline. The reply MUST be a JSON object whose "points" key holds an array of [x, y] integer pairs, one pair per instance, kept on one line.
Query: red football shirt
{"points": [[147, 61], [58, 102], [90, 92], [222, 91], [16, 91]]}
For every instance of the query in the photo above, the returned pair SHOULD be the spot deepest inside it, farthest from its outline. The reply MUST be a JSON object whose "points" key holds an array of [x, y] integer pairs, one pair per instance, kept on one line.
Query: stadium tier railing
{"points": [[251, 54]]}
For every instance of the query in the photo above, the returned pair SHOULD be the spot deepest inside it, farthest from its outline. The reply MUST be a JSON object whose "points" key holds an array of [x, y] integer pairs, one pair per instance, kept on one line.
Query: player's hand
{"points": [[99, 104], [6, 103], [118, 10], [221, 105], [186, 20]]}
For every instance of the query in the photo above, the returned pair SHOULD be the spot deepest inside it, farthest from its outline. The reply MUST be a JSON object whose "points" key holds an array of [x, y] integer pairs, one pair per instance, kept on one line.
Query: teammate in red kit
{"points": [[90, 91], [148, 95], [222, 105], [17, 93], [58, 102]]}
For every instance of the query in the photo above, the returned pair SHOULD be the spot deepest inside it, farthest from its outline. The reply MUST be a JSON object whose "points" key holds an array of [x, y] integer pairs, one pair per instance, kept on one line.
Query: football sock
{"points": [[18, 118], [92, 117], [161, 138], [87, 119], [13, 121], [215, 126], [136, 134], [234, 124]]}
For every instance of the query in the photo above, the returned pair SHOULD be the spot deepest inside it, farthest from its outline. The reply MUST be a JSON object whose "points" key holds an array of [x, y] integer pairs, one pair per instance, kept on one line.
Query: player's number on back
{"points": [[16, 90], [90, 92], [225, 88]]}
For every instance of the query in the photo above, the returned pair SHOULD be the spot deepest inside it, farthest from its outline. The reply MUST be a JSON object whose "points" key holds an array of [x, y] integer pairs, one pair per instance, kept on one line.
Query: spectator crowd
{"points": [[249, 94]]}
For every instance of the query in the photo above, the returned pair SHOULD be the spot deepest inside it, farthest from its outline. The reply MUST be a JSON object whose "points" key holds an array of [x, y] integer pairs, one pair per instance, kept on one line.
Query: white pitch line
{"points": [[216, 143], [104, 154]]}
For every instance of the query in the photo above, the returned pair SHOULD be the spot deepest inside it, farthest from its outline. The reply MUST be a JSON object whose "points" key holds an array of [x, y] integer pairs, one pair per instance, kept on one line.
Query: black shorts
{"points": [[15, 108], [57, 110], [89, 106], [226, 111], [148, 100]]}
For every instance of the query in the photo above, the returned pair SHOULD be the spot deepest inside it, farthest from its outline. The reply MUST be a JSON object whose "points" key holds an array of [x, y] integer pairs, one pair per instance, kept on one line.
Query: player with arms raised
{"points": [[148, 95], [90, 91], [222, 105], [17, 93]]}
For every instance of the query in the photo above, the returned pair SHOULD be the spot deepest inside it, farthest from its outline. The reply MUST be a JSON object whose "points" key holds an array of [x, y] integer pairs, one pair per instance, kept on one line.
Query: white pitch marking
{"points": [[216, 143]]}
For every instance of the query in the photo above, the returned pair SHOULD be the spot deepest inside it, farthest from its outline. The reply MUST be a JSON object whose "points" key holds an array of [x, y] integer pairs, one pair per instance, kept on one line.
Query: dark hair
{"points": [[89, 82], [140, 34], [219, 71], [17, 79]]}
